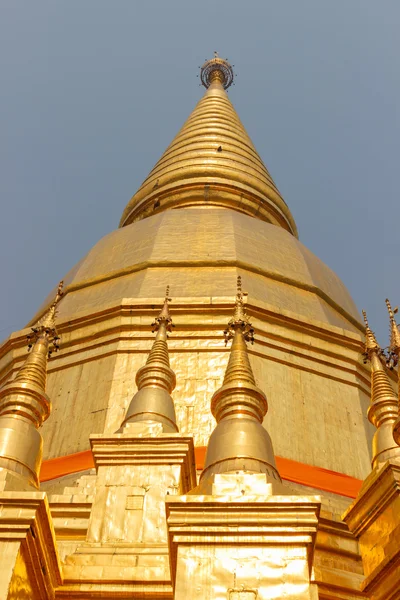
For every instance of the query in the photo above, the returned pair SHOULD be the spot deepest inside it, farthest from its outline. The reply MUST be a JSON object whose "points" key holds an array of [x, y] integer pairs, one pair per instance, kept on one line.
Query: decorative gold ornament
{"points": [[156, 380], [239, 442], [24, 406], [240, 319], [46, 325], [394, 345], [383, 410], [217, 69], [393, 360]]}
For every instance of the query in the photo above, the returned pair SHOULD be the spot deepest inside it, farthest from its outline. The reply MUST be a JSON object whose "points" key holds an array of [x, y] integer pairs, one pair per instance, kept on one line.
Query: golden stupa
{"points": [[218, 422]]}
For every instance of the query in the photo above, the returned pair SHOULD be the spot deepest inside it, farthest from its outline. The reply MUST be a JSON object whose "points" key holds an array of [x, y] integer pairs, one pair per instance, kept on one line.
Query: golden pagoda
{"points": [[239, 448]]}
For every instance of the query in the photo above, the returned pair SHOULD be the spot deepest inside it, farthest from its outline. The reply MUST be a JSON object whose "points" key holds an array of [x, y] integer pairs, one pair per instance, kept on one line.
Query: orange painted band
{"points": [[290, 470]]}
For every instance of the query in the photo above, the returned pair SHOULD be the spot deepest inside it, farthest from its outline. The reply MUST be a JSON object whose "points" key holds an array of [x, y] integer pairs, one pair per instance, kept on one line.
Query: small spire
{"points": [[155, 380], [46, 325], [383, 410], [239, 442], [394, 347], [239, 319], [393, 360], [217, 69], [163, 323], [24, 406], [371, 344]]}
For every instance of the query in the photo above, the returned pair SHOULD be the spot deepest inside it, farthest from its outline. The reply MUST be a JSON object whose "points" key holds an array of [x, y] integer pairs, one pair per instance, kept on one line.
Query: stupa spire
{"points": [[383, 410], [211, 162], [239, 442], [394, 346], [393, 361], [156, 380], [24, 406]]}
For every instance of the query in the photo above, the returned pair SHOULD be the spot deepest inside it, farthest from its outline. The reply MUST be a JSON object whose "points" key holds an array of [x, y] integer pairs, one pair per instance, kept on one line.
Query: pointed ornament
{"points": [[24, 406], [153, 403], [383, 410], [239, 443]]}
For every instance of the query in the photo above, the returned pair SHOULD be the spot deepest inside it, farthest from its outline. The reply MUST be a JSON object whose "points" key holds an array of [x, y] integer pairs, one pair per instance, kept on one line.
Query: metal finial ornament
{"points": [[148, 405], [383, 409], [239, 320], [371, 344], [46, 326], [394, 346], [217, 69], [164, 316]]}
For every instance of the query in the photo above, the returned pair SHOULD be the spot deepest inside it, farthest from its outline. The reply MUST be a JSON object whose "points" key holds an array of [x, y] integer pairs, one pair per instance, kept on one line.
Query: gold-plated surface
{"points": [[242, 540], [394, 353], [155, 380], [21, 586], [304, 344], [125, 549], [142, 462], [203, 259], [239, 442], [24, 406], [91, 380], [337, 566], [29, 562], [394, 346], [211, 162], [239, 540], [374, 519], [383, 410], [111, 569]]}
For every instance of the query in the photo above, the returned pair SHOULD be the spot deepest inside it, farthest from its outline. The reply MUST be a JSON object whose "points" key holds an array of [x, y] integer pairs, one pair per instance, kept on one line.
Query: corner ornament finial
{"points": [[240, 321], [46, 326], [217, 69], [164, 317], [371, 344], [394, 346]]}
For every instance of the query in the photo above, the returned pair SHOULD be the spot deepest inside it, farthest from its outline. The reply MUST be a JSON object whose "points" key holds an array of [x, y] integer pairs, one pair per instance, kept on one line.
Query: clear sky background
{"points": [[92, 92]]}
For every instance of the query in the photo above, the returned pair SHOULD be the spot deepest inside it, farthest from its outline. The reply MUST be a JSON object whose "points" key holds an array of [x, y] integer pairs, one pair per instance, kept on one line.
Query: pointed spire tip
{"points": [[240, 320], [164, 315], [394, 346], [47, 325], [371, 343]]}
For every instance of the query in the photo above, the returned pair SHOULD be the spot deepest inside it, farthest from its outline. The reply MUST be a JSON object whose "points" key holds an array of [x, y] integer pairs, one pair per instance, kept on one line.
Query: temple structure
{"points": [[241, 447]]}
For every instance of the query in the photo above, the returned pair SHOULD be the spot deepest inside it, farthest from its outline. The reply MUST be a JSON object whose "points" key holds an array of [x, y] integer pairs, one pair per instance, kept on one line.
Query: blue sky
{"points": [[93, 91]]}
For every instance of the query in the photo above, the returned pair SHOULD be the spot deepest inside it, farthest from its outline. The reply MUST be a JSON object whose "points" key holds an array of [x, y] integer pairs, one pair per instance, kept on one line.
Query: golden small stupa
{"points": [[243, 452]]}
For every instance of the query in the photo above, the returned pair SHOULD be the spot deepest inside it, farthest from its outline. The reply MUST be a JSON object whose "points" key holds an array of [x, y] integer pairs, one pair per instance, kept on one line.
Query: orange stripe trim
{"points": [[319, 478], [65, 465], [290, 470]]}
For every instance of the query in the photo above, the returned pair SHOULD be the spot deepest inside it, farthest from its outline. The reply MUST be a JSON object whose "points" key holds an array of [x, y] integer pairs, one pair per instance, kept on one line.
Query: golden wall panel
{"points": [[10, 556], [80, 400], [21, 585], [299, 401], [123, 512], [270, 572]]}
